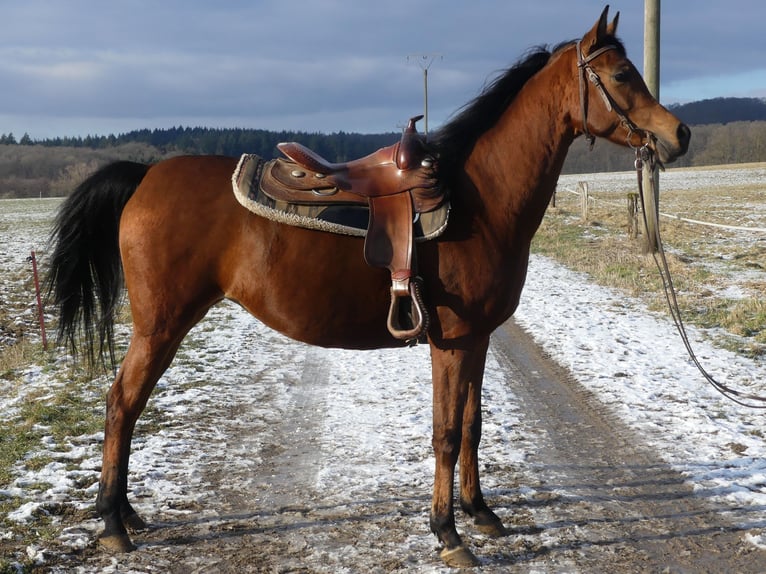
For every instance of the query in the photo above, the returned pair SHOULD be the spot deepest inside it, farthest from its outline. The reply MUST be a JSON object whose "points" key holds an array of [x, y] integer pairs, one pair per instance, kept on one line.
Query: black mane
{"points": [[454, 141]]}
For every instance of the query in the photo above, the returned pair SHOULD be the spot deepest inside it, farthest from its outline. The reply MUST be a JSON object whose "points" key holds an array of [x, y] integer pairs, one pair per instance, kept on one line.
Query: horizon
{"points": [[18, 138]]}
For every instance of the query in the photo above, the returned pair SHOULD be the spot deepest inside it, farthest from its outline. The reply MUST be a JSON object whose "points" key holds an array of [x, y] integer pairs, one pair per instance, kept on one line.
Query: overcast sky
{"points": [[79, 67]]}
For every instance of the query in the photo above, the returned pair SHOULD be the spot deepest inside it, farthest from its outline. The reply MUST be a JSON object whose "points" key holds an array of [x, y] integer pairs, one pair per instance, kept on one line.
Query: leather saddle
{"points": [[397, 183]]}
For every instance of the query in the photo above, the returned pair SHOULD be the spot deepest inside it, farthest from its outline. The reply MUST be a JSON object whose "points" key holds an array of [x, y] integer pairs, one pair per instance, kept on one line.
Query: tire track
{"points": [[610, 502]]}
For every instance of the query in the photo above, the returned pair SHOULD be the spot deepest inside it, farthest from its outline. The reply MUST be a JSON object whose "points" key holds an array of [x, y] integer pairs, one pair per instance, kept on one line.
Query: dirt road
{"points": [[587, 496]]}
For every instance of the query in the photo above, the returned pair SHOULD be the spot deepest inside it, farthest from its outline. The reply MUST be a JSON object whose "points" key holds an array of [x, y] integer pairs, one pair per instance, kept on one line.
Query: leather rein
{"points": [[645, 156]]}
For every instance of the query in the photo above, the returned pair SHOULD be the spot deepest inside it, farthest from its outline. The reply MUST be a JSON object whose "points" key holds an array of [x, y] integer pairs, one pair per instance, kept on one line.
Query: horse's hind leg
{"points": [[146, 360], [471, 497]]}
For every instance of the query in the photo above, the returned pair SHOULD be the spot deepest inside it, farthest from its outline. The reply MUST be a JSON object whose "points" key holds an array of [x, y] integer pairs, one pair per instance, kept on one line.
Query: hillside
{"points": [[724, 130], [721, 111]]}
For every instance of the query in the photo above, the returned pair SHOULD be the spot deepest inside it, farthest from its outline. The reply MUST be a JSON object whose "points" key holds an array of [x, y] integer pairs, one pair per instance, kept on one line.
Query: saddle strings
{"points": [[644, 154]]}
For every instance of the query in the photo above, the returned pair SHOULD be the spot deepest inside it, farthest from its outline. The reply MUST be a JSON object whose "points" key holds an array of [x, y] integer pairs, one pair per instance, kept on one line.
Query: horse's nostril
{"points": [[684, 134]]}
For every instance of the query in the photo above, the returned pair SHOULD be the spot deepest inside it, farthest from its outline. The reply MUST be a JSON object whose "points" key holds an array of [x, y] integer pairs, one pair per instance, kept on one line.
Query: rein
{"points": [[644, 155]]}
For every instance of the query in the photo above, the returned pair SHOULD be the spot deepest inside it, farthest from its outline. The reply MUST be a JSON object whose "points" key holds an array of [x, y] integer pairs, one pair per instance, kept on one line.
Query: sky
{"points": [[85, 67]]}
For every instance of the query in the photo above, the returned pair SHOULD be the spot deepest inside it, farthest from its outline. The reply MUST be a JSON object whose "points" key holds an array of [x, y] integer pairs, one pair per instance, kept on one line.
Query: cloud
{"points": [[146, 64], [744, 84]]}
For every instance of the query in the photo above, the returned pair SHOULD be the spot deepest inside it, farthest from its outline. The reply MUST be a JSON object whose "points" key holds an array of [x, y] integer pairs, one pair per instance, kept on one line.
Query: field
{"points": [[720, 273], [50, 428]]}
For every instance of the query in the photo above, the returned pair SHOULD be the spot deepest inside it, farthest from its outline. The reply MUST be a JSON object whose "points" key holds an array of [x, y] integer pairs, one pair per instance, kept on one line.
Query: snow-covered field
{"points": [[633, 361], [684, 179]]}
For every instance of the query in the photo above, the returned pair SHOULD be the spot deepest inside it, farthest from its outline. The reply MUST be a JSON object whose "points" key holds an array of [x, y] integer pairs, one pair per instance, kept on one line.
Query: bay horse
{"points": [[181, 242]]}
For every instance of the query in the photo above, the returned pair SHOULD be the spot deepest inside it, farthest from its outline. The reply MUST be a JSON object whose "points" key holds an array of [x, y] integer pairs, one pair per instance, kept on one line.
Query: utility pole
{"points": [[652, 46], [652, 79], [424, 61]]}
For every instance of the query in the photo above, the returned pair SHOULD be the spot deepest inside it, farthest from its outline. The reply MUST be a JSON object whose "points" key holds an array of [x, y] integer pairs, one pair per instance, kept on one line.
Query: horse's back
{"points": [[186, 242]]}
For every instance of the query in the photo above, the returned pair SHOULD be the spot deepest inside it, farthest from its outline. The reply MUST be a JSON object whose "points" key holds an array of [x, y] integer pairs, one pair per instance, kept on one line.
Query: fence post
{"points": [[40, 313], [582, 187], [632, 214]]}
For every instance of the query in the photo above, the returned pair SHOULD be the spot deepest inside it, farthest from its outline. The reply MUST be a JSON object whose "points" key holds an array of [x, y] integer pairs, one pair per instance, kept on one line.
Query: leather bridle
{"points": [[584, 68]]}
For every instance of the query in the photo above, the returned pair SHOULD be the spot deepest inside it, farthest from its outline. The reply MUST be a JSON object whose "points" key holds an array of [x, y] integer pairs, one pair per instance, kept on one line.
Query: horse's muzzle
{"points": [[671, 151]]}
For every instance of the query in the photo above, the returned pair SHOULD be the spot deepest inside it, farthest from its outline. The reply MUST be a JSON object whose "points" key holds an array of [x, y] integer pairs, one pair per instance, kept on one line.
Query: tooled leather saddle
{"points": [[397, 183]]}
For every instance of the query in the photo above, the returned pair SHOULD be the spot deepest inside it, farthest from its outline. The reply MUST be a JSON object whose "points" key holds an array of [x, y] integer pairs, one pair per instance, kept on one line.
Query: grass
{"points": [[59, 412], [16, 441], [16, 356], [69, 411], [702, 261]]}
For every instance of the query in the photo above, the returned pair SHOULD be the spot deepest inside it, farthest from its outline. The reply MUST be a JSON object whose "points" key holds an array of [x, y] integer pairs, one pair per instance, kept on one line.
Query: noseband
{"points": [[584, 67]]}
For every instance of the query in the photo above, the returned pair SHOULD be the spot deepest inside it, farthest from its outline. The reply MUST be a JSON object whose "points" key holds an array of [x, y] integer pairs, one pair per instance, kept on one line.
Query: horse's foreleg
{"points": [[455, 371], [471, 497], [146, 360]]}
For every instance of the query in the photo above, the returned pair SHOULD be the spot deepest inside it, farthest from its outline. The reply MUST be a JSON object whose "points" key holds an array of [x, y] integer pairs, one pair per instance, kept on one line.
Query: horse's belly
{"points": [[315, 287]]}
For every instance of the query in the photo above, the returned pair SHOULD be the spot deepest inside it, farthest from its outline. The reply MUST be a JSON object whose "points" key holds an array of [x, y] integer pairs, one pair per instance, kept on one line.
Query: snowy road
{"points": [[322, 463]]}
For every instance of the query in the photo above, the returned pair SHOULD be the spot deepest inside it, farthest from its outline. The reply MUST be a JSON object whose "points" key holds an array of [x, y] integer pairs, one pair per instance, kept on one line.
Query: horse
{"points": [[173, 234]]}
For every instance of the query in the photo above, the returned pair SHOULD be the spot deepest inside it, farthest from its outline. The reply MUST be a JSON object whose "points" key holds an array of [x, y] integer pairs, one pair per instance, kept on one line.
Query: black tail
{"points": [[85, 262]]}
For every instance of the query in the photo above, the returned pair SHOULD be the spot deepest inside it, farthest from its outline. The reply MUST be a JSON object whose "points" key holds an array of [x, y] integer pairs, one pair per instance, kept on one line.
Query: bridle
{"points": [[643, 151], [584, 67]]}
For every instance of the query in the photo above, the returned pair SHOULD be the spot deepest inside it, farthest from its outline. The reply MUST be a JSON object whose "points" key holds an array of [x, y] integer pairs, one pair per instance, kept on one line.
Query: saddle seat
{"points": [[396, 183]]}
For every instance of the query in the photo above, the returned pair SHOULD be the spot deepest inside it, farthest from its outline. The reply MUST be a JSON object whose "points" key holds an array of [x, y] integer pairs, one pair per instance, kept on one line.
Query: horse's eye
{"points": [[622, 76]]}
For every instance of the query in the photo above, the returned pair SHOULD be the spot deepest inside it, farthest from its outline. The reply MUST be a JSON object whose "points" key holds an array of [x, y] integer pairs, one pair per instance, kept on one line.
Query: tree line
{"points": [[52, 167], [735, 142], [221, 141]]}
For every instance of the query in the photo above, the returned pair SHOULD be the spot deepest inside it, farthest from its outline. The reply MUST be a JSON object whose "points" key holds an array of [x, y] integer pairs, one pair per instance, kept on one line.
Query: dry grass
{"points": [[719, 274], [15, 356]]}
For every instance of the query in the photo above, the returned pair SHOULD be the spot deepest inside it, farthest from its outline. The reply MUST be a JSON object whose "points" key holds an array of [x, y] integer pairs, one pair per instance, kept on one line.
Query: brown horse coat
{"points": [[185, 244]]}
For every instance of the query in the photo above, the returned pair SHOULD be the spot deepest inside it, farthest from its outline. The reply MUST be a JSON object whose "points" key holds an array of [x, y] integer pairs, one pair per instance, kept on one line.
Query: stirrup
{"points": [[417, 316]]}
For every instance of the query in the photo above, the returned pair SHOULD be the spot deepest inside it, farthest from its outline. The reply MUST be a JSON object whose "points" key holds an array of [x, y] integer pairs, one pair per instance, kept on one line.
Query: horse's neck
{"points": [[515, 165]]}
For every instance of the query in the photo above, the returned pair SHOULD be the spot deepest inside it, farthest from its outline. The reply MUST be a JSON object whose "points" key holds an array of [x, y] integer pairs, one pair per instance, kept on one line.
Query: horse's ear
{"points": [[612, 28], [599, 31]]}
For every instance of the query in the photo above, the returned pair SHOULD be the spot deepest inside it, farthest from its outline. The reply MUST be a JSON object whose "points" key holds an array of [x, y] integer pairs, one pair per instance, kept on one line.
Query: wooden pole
{"points": [[583, 187], [40, 313], [652, 79], [425, 61], [425, 100], [652, 46]]}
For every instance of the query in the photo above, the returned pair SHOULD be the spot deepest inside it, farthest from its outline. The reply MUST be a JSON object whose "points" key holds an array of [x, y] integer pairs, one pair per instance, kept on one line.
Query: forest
{"points": [[53, 167]]}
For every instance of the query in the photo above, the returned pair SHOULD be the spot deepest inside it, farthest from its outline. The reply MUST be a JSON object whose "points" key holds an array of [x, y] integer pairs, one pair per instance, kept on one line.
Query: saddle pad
{"points": [[341, 219]]}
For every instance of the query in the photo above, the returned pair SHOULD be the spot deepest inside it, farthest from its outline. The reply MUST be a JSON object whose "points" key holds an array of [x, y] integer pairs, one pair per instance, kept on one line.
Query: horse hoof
{"points": [[118, 543], [493, 529], [459, 557], [134, 523]]}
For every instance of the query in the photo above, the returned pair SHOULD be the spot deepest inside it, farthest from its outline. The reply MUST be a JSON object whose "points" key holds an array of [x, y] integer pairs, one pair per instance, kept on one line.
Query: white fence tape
{"points": [[678, 217]]}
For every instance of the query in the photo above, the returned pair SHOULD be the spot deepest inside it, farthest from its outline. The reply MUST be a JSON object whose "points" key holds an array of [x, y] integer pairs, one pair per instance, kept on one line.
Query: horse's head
{"points": [[614, 102]]}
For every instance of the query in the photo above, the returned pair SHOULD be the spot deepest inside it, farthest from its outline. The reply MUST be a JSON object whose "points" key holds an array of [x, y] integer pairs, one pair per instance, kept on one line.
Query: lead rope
{"points": [[643, 155]]}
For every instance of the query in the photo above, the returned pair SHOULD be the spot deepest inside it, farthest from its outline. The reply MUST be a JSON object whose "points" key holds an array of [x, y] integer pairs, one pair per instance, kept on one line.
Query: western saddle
{"points": [[397, 183]]}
